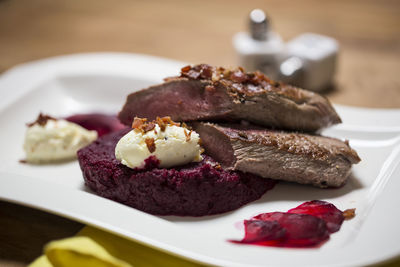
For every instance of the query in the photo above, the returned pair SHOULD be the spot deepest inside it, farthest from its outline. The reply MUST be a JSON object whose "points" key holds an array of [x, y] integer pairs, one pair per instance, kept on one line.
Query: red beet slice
{"points": [[307, 225], [101, 123], [323, 210]]}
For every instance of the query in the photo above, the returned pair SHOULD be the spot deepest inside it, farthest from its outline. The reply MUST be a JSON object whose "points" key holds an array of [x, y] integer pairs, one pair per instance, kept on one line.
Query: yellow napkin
{"points": [[93, 247]]}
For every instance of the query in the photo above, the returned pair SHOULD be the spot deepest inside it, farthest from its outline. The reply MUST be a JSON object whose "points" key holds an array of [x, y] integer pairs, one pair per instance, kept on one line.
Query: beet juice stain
{"points": [[307, 225], [101, 123]]}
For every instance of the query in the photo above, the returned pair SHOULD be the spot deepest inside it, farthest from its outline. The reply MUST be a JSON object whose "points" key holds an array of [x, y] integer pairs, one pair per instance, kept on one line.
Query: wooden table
{"points": [[192, 31]]}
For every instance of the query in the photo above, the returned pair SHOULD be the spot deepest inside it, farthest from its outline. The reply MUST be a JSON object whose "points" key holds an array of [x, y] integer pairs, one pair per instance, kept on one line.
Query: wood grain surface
{"points": [[194, 31]]}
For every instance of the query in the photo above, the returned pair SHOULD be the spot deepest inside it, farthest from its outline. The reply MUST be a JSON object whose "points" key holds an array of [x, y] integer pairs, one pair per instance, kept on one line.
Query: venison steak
{"points": [[208, 93], [295, 157]]}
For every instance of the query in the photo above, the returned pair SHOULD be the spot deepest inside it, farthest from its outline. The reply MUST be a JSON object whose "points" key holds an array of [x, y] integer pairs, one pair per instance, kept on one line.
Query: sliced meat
{"points": [[203, 92], [295, 157]]}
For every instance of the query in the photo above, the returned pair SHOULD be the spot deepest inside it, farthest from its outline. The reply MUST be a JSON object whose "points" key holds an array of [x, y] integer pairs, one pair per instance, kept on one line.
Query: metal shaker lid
{"points": [[258, 24]]}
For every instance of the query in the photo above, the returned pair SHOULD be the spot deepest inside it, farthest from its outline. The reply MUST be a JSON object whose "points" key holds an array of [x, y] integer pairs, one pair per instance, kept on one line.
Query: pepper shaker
{"points": [[260, 48]]}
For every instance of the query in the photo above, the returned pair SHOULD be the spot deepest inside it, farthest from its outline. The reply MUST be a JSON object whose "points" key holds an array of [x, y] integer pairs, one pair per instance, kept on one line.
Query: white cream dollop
{"points": [[172, 147], [57, 140]]}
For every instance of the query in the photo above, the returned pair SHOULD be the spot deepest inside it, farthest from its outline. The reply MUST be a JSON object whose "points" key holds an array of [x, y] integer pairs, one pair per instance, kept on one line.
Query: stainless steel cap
{"points": [[258, 24]]}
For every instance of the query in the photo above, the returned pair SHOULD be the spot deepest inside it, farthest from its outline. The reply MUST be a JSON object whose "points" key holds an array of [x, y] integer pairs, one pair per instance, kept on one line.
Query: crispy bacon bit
{"points": [[188, 135], [167, 120], [184, 125], [138, 122], [206, 71], [151, 146], [164, 121], [186, 69], [148, 127], [349, 214], [239, 76], [161, 123], [41, 120]]}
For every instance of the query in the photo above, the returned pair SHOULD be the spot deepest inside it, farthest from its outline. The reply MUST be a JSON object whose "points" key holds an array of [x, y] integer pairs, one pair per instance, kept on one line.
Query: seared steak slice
{"points": [[203, 92], [295, 157]]}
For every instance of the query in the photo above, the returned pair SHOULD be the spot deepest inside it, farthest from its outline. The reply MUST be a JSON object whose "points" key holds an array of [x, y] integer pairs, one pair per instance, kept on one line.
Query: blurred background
{"points": [[368, 32]]}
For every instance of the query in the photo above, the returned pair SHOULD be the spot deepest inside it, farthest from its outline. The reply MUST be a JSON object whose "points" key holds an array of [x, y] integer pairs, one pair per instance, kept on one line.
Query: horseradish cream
{"points": [[170, 143]]}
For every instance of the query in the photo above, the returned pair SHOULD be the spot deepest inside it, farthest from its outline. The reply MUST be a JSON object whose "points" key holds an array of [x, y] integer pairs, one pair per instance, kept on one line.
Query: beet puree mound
{"points": [[195, 189]]}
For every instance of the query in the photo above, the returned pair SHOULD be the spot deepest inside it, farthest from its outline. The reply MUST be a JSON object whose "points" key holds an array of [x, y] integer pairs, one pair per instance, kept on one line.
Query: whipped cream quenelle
{"points": [[170, 143], [49, 140]]}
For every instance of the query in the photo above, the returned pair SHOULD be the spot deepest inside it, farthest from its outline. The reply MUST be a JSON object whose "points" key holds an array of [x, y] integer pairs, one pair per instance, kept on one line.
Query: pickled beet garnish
{"points": [[101, 123], [307, 225], [258, 230], [324, 210], [301, 229]]}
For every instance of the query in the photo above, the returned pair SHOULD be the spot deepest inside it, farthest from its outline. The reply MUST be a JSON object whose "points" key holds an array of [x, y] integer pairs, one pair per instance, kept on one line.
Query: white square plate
{"points": [[100, 82]]}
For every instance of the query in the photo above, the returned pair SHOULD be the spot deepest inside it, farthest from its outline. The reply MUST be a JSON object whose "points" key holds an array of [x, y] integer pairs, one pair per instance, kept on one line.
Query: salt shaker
{"points": [[260, 48], [310, 61]]}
